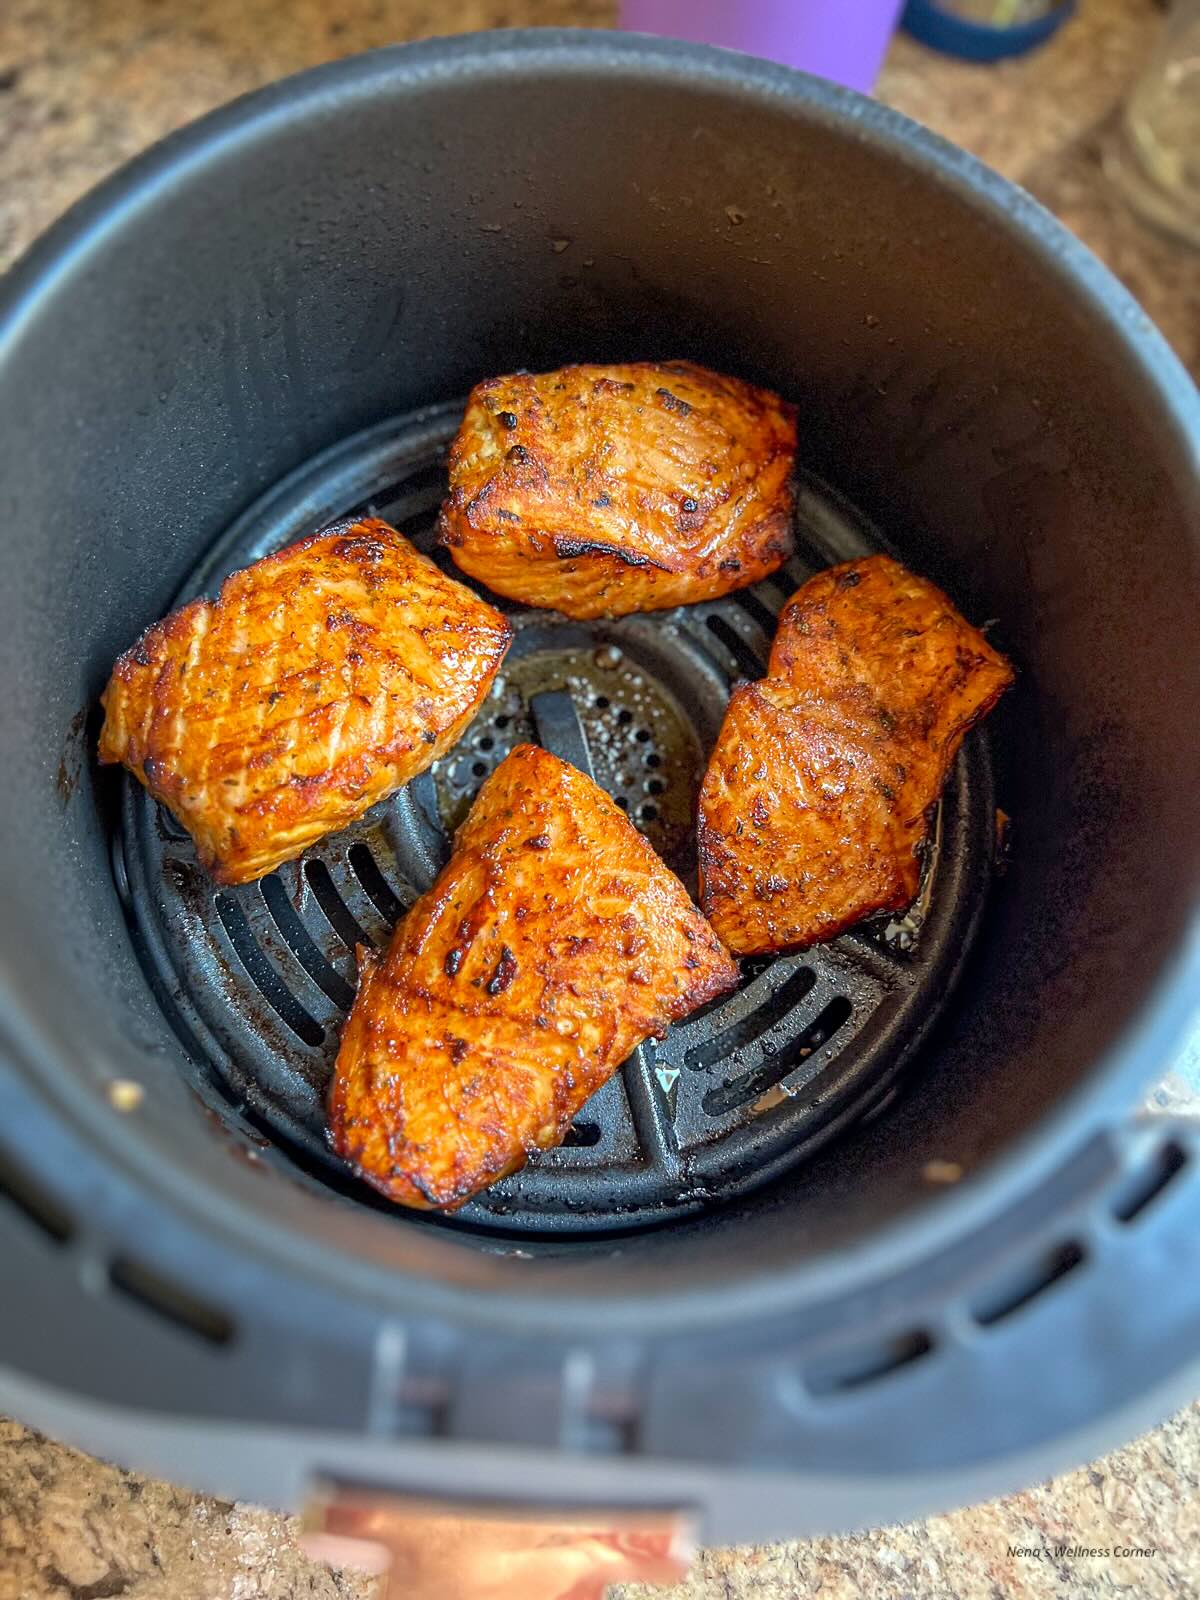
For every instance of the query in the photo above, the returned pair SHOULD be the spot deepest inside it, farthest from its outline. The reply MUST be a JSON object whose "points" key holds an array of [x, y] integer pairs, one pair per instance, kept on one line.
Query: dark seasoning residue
{"points": [[70, 766]]}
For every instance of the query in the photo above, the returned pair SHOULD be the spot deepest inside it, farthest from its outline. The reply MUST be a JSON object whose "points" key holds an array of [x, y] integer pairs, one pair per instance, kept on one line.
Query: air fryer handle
{"points": [[440, 1549]]}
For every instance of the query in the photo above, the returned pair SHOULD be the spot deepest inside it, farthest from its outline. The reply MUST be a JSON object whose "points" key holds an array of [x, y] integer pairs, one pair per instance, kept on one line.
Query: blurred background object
{"points": [[840, 39], [985, 30], [1155, 156]]}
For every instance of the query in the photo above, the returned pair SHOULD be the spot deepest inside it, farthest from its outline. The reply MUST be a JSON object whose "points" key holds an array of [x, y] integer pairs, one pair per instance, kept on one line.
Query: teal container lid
{"points": [[940, 27]]}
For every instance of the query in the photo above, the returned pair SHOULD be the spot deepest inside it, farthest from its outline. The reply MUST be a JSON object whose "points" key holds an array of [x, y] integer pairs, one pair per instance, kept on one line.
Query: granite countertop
{"points": [[82, 88]]}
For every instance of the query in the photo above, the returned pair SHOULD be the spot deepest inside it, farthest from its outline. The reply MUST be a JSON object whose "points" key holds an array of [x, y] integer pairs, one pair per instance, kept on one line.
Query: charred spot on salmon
{"points": [[141, 655], [453, 961], [602, 502], [507, 418], [518, 453], [569, 549], [507, 516], [458, 1049], [539, 841], [674, 403], [506, 971], [689, 505], [849, 580]]}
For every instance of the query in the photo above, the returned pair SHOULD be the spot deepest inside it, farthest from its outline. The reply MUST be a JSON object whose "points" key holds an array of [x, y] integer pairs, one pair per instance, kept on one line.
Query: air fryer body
{"points": [[369, 240]]}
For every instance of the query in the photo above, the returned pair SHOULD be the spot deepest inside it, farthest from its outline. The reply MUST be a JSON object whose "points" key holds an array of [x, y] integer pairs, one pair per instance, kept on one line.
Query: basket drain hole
{"points": [[736, 645], [263, 975], [582, 1135], [337, 913], [746, 1086], [375, 886], [748, 1029], [757, 612], [301, 944]]}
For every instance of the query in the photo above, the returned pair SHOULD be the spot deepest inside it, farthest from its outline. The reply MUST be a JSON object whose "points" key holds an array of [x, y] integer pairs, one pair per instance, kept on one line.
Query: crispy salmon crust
{"points": [[599, 491], [552, 944], [813, 810], [322, 679]]}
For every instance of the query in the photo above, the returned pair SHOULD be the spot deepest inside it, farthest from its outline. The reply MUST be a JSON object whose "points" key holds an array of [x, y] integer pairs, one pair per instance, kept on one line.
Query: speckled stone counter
{"points": [[83, 86]]}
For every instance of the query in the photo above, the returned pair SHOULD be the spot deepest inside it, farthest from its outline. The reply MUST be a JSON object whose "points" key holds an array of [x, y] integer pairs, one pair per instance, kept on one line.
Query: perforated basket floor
{"points": [[258, 979]]}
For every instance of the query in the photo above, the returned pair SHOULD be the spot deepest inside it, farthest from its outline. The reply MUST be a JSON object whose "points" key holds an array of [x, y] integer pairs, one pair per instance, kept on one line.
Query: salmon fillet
{"points": [[603, 490], [322, 679], [813, 810], [552, 944]]}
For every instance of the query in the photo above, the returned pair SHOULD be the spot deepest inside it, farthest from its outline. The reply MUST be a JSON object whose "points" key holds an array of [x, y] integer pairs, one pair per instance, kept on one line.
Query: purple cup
{"points": [[840, 39]]}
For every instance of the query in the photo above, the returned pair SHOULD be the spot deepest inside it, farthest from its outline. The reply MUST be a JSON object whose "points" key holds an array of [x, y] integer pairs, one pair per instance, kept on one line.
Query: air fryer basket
{"points": [[882, 1224], [259, 979]]}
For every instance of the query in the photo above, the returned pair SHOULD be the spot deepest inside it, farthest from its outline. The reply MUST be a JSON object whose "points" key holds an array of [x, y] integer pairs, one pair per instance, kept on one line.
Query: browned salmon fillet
{"points": [[321, 679], [895, 644], [813, 810], [603, 490], [552, 944]]}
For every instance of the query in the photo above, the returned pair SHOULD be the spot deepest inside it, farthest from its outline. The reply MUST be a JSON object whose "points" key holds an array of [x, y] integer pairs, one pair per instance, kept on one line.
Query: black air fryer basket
{"points": [[882, 1230]]}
